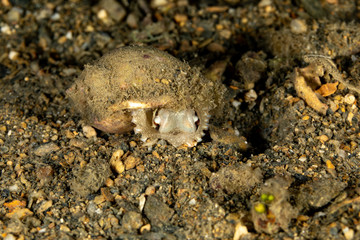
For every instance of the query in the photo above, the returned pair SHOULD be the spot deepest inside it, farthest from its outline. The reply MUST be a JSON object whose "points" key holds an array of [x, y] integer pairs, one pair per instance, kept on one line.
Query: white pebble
{"points": [[102, 14], [240, 231], [9, 237], [55, 17], [192, 202], [348, 233], [250, 96], [349, 99], [13, 188], [302, 158], [69, 35], [298, 26], [236, 104], [6, 29], [264, 3], [158, 3], [13, 55], [236, 132], [142, 200], [89, 131]]}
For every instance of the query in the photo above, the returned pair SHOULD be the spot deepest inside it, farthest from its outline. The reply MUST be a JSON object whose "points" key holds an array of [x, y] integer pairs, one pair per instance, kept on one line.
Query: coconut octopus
{"points": [[149, 91]]}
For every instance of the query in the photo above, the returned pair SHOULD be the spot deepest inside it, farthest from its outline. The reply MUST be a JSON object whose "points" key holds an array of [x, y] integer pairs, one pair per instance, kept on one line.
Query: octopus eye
{"points": [[196, 119], [156, 122]]}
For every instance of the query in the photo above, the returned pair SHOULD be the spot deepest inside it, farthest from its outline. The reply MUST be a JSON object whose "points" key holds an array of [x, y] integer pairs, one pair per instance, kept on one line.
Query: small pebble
{"points": [[225, 33], [240, 231], [89, 131], [264, 3], [99, 199], [132, 144], [150, 190], [131, 162], [116, 162], [13, 55], [157, 211], [302, 158], [348, 233], [349, 99], [102, 14], [145, 228], [44, 172], [69, 134], [45, 206], [298, 26], [10, 237], [92, 209], [236, 104], [14, 15], [46, 149], [2, 128], [69, 35], [142, 200], [158, 3], [77, 143], [250, 96], [55, 17], [132, 21], [64, 228], [6, 29], [132, 221], [14, 188], [192, 202], [107, 194], [113, 9]]}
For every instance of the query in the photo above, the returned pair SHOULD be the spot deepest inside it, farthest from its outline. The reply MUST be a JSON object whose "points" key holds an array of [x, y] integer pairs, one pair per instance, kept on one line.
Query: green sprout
{"points": [[260, 208], [267, 198]]}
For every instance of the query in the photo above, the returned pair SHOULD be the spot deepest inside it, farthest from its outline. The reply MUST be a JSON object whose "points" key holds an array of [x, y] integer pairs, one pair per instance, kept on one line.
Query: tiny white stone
{"points": [[302, 158], [157, 120], [236, 103], [13, 188], [55, 17], [13, 55], [69, 35], [142, 200], [6, 29], [10, 237], [89, 131], [240, 231], [192, 201], [102, 14], [349, 99], [236, 132], [298, 26], [250, 96]]}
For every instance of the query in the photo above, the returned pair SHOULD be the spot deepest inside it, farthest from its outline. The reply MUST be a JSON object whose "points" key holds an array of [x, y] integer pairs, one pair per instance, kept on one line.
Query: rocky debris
{"points": [[238, 179], [91, 177], [157, 211]]}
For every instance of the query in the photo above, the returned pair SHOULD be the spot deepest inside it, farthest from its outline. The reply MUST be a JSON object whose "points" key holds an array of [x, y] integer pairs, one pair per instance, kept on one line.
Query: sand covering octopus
{"points": [[149, 91]]}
